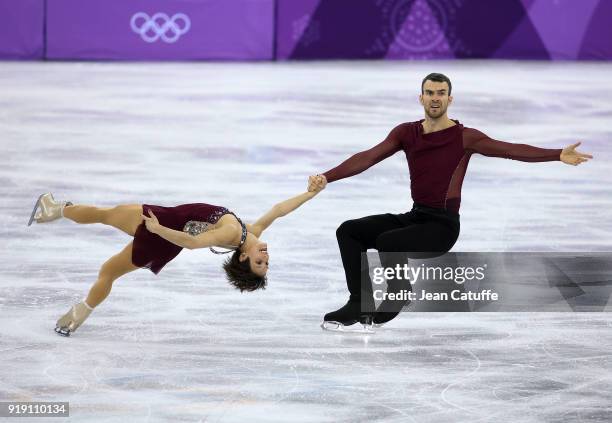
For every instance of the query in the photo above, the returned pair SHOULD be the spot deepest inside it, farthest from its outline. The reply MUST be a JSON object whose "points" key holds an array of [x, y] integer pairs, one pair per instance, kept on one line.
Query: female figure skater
{"points": [[160, 233]]}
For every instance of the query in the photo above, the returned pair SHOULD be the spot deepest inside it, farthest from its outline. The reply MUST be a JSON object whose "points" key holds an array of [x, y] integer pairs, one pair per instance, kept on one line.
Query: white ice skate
{"points": [[75, 317], [47, 209]]}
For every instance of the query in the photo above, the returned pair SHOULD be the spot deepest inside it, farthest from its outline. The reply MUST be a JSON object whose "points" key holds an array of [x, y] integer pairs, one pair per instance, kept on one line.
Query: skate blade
{"points": [[62, 331], [362, 328], [35, 210]]}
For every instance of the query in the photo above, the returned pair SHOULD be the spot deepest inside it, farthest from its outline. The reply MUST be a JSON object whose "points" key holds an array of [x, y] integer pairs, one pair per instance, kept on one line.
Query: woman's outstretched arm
{"points": [[281, 209]]}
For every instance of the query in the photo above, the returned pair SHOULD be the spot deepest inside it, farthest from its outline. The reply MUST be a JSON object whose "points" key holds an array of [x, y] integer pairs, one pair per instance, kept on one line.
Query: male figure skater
{"points": [[438, 150]]}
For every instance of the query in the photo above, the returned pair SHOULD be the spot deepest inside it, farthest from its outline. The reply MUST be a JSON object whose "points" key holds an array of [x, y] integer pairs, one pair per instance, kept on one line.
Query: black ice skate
{"points": [[390, 309], [382, 317], [345, 318]]}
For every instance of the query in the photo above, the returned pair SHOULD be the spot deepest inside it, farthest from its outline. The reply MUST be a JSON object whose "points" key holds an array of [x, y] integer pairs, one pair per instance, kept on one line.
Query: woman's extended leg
{"points": [[125, 217], [115, 267], [111, 270]]}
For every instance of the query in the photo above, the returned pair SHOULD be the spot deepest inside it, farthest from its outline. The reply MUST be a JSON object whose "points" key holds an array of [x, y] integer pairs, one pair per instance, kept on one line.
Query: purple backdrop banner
{"points": [[21, 29], [160, 29], [444, 29]]}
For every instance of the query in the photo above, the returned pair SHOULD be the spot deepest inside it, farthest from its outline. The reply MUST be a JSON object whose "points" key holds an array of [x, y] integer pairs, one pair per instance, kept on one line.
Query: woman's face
{"points": [[259, 258]]}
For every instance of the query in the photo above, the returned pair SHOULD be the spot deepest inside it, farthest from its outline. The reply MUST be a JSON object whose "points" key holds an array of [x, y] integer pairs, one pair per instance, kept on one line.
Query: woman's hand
{"points": [[151, 223], [570, 156]]}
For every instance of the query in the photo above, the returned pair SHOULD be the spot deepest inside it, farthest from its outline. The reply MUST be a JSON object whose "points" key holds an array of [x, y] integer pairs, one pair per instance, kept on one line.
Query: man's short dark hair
{"points": [[437, 77]]}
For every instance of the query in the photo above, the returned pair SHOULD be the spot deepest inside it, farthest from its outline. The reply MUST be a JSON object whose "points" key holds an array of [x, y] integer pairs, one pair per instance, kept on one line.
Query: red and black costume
{"points": [[154, 252], [437, 162]]}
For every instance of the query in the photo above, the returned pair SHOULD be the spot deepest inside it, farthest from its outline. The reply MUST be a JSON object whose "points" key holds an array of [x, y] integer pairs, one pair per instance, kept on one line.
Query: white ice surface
{"points": [[184, 346]]}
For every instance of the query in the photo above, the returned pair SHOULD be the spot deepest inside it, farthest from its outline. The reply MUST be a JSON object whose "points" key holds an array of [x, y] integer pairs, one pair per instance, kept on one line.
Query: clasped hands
{"points": [[317, 183]]}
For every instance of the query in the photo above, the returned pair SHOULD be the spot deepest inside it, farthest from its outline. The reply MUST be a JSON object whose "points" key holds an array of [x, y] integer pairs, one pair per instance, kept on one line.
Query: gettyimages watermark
{"points": [[530, 281]]}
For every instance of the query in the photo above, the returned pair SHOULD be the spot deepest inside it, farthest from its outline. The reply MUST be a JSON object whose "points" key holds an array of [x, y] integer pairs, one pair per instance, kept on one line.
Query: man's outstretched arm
{"points": [[477, 142], [361, 161]]}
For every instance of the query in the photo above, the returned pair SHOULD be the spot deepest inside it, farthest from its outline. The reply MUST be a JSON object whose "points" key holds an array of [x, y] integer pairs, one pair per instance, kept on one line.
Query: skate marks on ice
{"points": [[432, 367]]}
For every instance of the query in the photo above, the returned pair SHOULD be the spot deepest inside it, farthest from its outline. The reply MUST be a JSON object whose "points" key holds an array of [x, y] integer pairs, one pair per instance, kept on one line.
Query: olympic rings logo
{"points": [[160, 25]]}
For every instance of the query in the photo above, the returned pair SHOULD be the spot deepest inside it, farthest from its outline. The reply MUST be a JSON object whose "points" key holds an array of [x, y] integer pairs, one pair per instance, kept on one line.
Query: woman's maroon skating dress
{"points": [[154, 252]]}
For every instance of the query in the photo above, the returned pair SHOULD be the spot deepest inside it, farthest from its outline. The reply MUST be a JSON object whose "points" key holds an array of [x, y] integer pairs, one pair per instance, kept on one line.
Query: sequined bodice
{"points": [[196, 227]]}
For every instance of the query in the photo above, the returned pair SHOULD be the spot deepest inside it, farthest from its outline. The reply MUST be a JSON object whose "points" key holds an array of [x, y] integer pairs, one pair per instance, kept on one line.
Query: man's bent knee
{"points": [[346, 228]]}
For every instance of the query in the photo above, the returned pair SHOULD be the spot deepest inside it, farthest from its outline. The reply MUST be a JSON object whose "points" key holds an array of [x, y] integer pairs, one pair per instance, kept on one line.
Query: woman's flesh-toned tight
{"points": [[126, 218]]}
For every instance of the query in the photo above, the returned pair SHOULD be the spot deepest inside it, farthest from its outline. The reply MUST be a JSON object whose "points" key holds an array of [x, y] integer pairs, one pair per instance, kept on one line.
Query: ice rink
{"points": [[184, 346]]}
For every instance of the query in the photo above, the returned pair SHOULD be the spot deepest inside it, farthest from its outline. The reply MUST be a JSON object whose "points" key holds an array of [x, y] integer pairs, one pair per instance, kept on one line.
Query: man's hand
{"points": [[570, 156], [317, 183]]}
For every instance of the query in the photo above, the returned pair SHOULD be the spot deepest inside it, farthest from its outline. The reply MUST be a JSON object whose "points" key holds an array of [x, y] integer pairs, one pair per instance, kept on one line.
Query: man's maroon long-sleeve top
{"points": [[437, 161]]}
